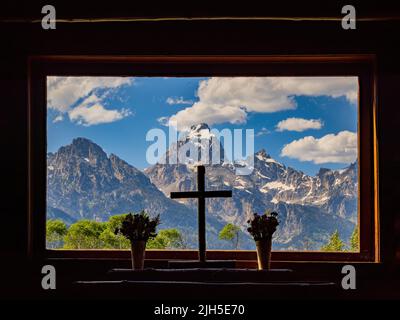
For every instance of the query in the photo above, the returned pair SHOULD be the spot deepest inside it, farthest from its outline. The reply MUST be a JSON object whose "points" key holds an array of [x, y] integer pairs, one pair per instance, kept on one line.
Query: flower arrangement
{"points": [[262, 227], [138, 226]]}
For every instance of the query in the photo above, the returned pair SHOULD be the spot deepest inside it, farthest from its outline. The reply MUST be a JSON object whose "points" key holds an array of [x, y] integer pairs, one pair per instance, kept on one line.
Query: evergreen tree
{"points": [[335, 244], [354, 240]]}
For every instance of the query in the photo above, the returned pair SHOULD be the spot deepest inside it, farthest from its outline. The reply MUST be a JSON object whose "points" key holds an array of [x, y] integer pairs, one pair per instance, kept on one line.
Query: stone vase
{"points": [[264, 253], [138, 249]]}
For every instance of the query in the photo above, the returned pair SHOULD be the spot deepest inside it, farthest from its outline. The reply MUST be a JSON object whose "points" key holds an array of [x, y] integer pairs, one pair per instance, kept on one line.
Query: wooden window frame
{"points": [[362, 66]]}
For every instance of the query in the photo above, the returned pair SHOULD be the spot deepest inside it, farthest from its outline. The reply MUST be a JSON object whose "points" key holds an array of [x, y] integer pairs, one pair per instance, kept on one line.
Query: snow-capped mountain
{"points": [[83, 182], [310, 208], [86, 183], [198, 146]]}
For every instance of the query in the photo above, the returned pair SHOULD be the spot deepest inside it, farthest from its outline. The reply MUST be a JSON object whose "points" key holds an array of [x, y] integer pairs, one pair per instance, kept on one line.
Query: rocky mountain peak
{"points": [[199, 127], [323, 171], [202, 141], [114, 158], [84, 148], [83, 143], [262, 154], [353, 166], [84, 183], [199, 132]]}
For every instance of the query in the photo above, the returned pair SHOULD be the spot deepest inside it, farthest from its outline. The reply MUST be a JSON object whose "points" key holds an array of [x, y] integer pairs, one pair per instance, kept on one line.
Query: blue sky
{"points": [[116, 113]]}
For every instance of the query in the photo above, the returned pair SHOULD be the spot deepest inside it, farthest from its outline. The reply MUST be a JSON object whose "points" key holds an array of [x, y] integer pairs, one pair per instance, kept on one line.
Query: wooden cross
{"points": [[201, 195]]}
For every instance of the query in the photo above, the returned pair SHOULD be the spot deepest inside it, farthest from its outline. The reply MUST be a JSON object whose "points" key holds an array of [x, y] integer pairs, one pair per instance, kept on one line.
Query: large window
{"points": [[285, 141]]}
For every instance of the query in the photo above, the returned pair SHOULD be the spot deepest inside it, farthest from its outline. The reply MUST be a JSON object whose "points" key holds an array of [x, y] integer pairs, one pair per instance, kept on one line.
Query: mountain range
{"points": [[83, 182]]}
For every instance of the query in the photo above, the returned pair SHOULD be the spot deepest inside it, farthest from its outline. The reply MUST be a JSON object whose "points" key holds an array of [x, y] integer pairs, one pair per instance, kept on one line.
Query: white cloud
{"points": [[264, 131], [63, 93], [339, 148], [178, 100], [163, 121], [59, 118], [91, 111], [224, 99], [298, 124], [208, 113]]}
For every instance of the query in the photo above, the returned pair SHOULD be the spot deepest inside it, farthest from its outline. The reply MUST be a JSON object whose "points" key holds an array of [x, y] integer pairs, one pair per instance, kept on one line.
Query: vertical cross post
{"points": [[201, 209], [201, 194]]}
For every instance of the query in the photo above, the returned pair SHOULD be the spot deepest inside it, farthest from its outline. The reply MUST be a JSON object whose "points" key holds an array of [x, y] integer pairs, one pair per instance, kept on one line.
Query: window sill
{"points": [[242, 258]]}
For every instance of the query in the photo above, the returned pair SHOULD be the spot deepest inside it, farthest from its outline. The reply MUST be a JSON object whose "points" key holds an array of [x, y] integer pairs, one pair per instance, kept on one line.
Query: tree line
{"points": [[336, 244], [231, 233], [90, 234]]}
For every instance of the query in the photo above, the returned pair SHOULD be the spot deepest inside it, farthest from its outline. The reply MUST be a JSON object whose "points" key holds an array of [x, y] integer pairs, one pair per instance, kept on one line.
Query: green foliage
{"points": [[167, 239], [115, 222], [138, 226], [55, 232], [89, 234], [109, 238], [354, 240], [263, 226], [85, 234], [335, 244], [230, 232]]}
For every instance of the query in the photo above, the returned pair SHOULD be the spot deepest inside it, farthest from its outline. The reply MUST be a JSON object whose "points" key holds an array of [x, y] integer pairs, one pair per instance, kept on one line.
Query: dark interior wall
{"points": [[22, 39]]}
